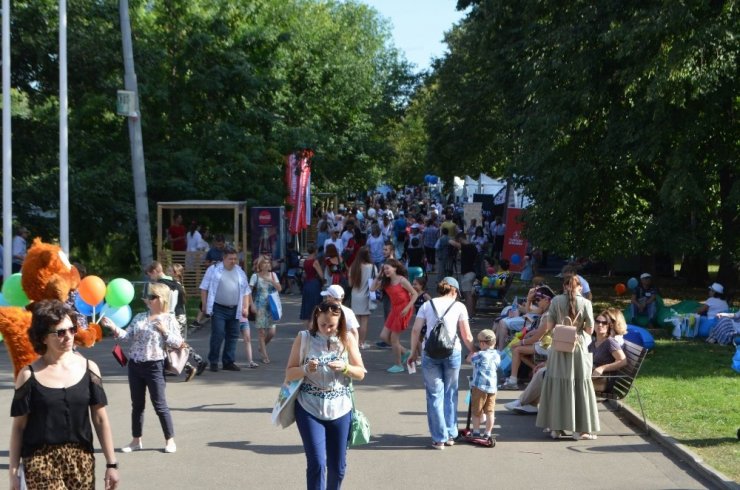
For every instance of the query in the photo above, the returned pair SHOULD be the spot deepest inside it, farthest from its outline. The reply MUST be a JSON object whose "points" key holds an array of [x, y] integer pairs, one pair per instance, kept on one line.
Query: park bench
{"points": [[621, 382]]}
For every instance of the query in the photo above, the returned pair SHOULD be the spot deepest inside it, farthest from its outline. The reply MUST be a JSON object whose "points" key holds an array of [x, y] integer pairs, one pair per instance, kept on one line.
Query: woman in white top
{"points": [[147, 336], [360, 272], [715, 303], [323, 408], [441, 375]]}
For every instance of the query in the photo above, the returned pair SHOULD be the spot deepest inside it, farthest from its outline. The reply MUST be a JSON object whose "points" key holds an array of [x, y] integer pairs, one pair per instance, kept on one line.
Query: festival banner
{"points": [[299, 166], [266, 232], [514, 243]]}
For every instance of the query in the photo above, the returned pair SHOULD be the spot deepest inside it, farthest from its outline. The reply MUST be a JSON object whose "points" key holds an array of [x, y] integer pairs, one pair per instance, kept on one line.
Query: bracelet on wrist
{"points": [[113, 466]]}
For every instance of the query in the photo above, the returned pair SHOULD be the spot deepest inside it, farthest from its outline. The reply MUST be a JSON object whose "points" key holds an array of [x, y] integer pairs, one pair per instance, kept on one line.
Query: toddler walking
{"points": [[483, 385]]}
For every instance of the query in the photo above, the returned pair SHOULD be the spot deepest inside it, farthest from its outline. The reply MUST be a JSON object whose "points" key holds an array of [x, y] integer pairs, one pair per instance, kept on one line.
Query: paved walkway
{"points": [[225, 439]]}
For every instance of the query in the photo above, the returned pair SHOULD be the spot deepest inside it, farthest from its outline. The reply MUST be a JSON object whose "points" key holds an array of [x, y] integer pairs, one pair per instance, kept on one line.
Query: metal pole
{"points": [[7, 153], [63, 132], [137, 146]]}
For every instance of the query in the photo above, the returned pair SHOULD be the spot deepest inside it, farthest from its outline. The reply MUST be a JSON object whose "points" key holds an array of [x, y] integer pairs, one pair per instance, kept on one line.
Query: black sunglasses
{"points": [[152, 297], [599, 322], [324, 307], [63, 331]]}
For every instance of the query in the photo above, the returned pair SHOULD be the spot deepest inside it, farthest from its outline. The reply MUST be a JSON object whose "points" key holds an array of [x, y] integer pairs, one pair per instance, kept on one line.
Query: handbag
{"points": [[359, 429], [276, 307], [177, 358], [373, 296], [565, 337], [283, 413], [119, 355]]}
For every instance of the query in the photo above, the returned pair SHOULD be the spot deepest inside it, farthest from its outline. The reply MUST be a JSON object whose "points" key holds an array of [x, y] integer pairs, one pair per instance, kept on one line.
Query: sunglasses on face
{"points": [[152, 297], [334, 308], [63, 331], [601, 322]]}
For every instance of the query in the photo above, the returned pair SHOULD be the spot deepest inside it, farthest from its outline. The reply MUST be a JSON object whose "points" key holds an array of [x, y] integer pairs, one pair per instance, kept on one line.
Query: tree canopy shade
{"points": [[226, 89], [619, 120]]}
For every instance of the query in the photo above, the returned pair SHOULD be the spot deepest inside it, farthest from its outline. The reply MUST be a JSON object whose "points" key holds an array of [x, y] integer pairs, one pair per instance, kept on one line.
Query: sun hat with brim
{"points": [[645, 276], [452, 282], [717, 288]]}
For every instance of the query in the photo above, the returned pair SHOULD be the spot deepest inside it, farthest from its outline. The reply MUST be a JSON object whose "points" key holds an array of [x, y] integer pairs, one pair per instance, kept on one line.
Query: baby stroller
{"points": [[466, 434]]}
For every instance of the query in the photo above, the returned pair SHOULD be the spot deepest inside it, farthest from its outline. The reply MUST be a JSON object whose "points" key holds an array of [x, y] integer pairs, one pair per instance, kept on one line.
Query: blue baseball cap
{"points": [[452, 282]]}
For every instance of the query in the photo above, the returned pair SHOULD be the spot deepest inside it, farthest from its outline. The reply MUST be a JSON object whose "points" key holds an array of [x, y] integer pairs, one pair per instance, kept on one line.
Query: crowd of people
{"points": [[363, 258]]}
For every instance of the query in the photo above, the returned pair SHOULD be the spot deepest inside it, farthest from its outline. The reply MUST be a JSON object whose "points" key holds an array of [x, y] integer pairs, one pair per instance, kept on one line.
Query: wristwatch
{"points": [[112, 465]]}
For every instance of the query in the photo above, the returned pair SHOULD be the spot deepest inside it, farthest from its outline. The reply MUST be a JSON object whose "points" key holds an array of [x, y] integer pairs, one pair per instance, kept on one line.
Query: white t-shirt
{"points": [[716, 305], [350, 319], [337, 243], [457, 313]]}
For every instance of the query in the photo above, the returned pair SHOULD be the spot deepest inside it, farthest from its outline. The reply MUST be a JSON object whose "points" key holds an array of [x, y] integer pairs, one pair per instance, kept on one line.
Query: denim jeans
{"points": [[143, 375], [325, 445], [224, 325], [440, 381]]}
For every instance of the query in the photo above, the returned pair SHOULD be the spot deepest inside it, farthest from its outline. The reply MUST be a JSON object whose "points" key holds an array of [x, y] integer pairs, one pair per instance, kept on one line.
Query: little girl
{"points": [[420, 285]]}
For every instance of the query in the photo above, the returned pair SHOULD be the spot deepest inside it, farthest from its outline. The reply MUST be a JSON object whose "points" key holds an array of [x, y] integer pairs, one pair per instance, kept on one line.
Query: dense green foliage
{"points": [[227, 88], [619, 120]]}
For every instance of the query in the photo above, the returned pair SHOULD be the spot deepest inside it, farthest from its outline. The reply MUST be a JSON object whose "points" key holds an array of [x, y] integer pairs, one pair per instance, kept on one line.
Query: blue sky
{"points": [[419, 26]]}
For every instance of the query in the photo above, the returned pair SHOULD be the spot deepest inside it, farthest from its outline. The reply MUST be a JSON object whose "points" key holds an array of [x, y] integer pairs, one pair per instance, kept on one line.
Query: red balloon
{"points": [[92, 290], [620, 289]]}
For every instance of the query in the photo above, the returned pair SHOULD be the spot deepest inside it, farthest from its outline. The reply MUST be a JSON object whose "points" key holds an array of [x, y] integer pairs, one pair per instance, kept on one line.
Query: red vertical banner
{"points": [[299, 165], [514, 242]]}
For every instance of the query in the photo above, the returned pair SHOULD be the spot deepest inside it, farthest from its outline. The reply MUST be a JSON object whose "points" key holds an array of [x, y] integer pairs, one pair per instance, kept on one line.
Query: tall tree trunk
{"points": [[729, 262]]}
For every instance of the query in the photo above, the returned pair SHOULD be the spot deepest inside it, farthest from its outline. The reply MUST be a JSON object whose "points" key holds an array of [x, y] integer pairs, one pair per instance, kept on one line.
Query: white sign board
{"points": [[473, 210], [126, 103]]}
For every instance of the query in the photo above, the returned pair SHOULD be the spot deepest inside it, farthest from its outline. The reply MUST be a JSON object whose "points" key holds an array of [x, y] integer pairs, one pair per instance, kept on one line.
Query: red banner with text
{"points": [[515, 246]]}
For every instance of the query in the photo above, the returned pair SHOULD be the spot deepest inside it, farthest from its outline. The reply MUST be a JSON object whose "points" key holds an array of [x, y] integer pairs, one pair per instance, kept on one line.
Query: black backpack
{"points": [[438, 344]]}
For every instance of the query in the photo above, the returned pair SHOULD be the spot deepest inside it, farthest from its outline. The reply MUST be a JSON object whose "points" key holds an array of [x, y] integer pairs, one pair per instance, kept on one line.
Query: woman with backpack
{"points": [[443, 316]]}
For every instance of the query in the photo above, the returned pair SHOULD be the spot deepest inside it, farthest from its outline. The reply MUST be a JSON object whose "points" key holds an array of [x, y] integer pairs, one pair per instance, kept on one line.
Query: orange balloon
{"points": [[620, 289], [92, 290]]}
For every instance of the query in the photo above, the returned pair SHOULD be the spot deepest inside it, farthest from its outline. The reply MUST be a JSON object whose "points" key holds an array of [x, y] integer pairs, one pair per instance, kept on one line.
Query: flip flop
{"points": [[265, 361]]}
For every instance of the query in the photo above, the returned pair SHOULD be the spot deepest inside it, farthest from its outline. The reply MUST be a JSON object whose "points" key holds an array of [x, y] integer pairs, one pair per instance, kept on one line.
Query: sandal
{"points": [[253, 365], [584, 437], [265, 360]]}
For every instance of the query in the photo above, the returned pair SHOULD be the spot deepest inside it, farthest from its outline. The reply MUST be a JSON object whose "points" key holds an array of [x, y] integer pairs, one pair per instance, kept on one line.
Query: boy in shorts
{"points": [[483, 385]]}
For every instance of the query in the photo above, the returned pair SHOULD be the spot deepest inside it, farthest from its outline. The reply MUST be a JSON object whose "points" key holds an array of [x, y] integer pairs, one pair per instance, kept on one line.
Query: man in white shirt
{"points": [[335, 294], [335, 240]]}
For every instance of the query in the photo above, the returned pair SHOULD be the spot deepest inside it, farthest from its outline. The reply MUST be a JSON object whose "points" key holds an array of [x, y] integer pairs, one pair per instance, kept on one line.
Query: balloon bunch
{"points": [[494, 281], [96, 300]]}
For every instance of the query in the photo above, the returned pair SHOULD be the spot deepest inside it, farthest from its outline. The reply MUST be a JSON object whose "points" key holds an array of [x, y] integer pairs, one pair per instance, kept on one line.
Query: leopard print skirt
{"points": [[60, 467]]}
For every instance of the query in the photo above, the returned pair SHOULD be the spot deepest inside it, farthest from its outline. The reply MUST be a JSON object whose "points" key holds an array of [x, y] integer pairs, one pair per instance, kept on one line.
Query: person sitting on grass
{"points": [[644, 299], [715, 303], [727, 327], [483, 385]]}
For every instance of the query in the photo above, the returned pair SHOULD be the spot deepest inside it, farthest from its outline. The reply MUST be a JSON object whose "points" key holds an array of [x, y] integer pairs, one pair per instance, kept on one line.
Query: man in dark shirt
{"points": [[216, 252], [468, 258]]}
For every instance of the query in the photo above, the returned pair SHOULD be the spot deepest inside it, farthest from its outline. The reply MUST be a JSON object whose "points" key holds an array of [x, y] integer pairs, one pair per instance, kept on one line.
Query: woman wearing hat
{"points": [[441, 375], [715, 303]]}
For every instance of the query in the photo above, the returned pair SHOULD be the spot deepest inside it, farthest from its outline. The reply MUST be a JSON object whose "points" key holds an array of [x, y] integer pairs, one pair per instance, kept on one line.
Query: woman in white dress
{"points": [[360, 272]]}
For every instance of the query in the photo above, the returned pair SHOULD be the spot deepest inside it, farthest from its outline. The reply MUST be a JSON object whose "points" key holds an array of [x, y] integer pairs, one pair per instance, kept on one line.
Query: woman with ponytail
{"points": [[567, 402]]}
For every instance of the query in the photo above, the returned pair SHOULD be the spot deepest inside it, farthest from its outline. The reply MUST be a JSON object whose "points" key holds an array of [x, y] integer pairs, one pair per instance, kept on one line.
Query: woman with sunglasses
{"points": [[323, 407], [148, 335], [55, 399], [606, 348]]}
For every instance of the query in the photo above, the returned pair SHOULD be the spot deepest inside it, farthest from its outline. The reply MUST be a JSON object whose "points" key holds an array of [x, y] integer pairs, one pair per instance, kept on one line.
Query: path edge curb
{"points": [[676, 448]]}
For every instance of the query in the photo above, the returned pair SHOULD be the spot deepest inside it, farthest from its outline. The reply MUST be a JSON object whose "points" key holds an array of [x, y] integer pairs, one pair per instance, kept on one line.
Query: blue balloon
{"points": [[87, 309], [515, 259], [434, 179], [120, 316], [3, 301], [632, 283]]}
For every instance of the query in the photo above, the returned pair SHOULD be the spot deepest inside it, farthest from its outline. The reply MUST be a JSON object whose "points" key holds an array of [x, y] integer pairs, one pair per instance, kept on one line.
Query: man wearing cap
{"points": [[20, 248], [644, 297], [335, 294], [415, 247]]}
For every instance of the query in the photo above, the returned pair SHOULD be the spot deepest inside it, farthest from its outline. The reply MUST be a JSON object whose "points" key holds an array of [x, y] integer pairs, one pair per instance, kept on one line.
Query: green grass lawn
{"points": [[689, 390]]}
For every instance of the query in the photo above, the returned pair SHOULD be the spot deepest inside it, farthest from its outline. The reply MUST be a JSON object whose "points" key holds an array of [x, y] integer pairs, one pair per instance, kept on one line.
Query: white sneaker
{"points": [[171, 447], [511, 406], [132, 447], [526, 409]]}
